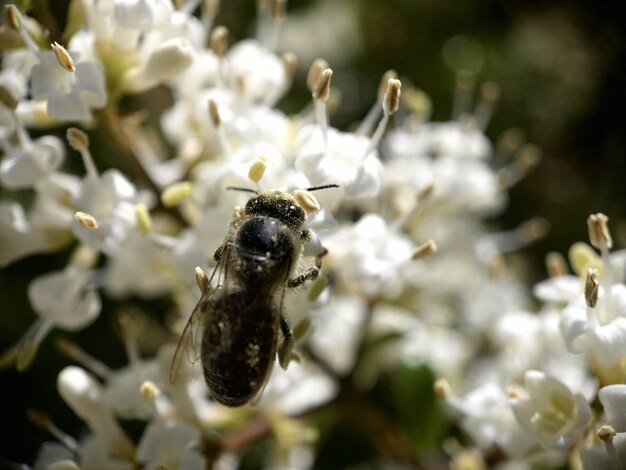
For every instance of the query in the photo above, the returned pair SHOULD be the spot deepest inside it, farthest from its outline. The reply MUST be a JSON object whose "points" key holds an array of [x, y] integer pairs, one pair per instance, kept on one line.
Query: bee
{"points": [[236, 321]]}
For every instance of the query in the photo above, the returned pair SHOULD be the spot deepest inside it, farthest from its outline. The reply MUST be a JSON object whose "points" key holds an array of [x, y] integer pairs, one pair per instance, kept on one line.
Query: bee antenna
{"points": [[236, 188], [325, 186]]}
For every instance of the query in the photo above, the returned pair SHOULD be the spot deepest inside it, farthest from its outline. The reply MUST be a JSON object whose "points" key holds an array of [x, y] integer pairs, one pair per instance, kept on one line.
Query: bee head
{"points": [[279, 205]]}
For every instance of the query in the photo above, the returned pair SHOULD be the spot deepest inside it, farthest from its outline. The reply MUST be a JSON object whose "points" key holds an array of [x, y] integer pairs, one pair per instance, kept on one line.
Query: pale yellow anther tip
{"points": [[176, 193]]}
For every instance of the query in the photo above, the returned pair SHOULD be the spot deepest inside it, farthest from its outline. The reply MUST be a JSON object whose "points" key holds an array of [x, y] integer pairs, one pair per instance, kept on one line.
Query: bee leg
{"points": [[310, 274], [285, 350]]}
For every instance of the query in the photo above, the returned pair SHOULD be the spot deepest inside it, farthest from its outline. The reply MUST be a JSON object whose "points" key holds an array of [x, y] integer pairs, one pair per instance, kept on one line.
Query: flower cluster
{"points": [[413, 272]]}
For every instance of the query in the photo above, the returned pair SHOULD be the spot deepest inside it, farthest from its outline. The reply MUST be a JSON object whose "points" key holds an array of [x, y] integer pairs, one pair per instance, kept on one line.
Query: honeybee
{"points": [[237, 320]]}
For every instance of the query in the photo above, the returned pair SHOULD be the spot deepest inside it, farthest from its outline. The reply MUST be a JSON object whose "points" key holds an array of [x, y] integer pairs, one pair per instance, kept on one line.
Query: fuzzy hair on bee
{"points": [[240, 312]]}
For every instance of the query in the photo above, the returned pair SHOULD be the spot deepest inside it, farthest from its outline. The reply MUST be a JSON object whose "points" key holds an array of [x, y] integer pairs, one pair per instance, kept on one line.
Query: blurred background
{"points": [[561, 67]]}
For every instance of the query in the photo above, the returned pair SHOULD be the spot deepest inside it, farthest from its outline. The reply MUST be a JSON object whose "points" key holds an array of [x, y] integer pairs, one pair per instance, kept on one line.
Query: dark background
{"points": [[561, 66]]}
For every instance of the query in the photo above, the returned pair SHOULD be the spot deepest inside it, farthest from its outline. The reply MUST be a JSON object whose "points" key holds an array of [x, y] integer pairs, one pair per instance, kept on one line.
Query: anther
{"points": [[391, 99], [219, 41], [314, 73], [79, 141], [7, 99], [322, 89], [257, 169], [599, 235], [591, 288], [176, 193], [306, 200], [201, 279], [606, 433], [86, 220], [425, 249], [278, 8], [214, 114], [149, 390], [142, 216], [556, 264], [13, 17], [290, 62], [63, 57], [442, 388]]}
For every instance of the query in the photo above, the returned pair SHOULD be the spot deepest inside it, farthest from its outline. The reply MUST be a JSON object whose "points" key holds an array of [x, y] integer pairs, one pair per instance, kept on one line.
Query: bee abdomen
{"points": [[234, 379]]}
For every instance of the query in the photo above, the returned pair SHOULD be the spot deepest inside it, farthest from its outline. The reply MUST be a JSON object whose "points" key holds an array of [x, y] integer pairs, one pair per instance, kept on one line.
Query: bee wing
{"points": [[268, 372], [190, 338]]}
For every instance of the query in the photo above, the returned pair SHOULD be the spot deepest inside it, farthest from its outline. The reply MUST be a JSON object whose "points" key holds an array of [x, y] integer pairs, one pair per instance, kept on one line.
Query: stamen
{"points": [[77, 354], [14, 20], [487, 101], [374, 113], [442, 388], [508, 143], [176, 193], [277, 13], [463, 94], [257, 169], [149, 390], [83, 393], [79, 141], [555, 264], [219, 45], [84, 257], [43, 421], [86, 220], [306, 200], [606, 433], [321, 93], [317, 288], [219, 41], [314, 73], [63, 57], [526, 158], [7, 99], [201, 279], [391, 102], [12, 17], [143, 218], [210, 9], [301, 328], [425, 249], [29, 345], [129, 337], [599, 235], [216, 120]]}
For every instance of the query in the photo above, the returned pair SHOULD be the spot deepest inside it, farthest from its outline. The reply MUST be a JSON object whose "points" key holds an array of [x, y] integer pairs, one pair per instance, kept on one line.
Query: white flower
{"points": [[23, 166], [111, 199], [612, 453], [140, 267], [551, 412], [600, 332], [65, 299], [368, 254], [83, 394], [485, 415], [559, 289], [170, 444], [70, 96], [261, 71], [17, 236], [336, 328], [298, 389], [343, 162]]}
